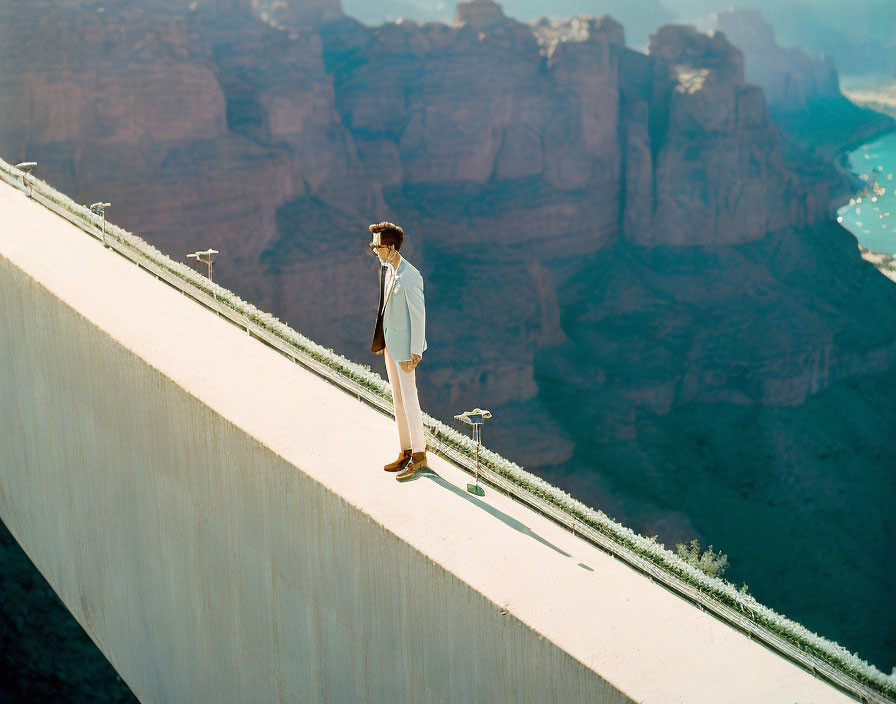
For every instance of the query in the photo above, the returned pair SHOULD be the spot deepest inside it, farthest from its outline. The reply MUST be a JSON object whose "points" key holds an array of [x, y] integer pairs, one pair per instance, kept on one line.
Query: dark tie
{"points": [[384, 270], [379, 340]]}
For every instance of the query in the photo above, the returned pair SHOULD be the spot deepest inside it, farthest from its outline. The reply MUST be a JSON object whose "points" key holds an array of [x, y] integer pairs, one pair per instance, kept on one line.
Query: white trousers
{"points": [[408, 416]]}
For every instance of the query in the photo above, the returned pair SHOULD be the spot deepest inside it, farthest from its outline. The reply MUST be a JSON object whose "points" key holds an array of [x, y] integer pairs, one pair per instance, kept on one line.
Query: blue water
{"points": [[871, 216]]}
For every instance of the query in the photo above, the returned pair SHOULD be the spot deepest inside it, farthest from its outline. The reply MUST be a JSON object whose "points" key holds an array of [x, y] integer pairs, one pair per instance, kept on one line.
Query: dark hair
{"points": [[389, 233]]}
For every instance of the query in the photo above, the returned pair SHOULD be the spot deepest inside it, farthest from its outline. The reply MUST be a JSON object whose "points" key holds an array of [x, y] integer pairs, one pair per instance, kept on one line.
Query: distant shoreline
{"points": [[872, 92], [885, 263], [877, 93]]}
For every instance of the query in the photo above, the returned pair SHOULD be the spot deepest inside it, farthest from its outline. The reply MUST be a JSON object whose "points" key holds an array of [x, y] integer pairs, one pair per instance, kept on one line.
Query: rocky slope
{"points": [[624, 259], [802, 91], [788, 76]]}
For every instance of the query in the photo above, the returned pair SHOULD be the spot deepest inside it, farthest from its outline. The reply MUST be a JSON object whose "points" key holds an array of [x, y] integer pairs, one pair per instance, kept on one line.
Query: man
{"points": [[400, 337]]}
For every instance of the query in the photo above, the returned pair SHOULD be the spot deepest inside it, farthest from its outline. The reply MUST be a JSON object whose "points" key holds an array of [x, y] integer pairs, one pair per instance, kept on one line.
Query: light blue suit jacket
{"points": [[404, 319]]}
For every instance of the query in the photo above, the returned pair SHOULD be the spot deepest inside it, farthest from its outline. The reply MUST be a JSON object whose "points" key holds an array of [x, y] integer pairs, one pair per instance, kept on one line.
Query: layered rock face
{"points": [[861, 37], [161, 110], [711, 172], [788, 77], [484, 107], [276, 136], [803, 94], [498, 145]]}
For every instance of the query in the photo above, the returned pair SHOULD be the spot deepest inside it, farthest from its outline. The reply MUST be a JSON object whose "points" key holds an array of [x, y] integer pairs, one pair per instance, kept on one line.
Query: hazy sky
{"points": [[858, 33]]}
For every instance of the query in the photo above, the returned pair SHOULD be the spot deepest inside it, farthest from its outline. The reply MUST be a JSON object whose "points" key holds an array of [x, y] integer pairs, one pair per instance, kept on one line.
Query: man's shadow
{"points": [[500, 515]]}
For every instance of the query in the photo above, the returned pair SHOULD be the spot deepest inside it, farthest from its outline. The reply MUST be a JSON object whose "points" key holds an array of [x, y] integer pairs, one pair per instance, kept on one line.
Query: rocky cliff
{"points": [[567, 107], [802, 91], [718, 174], [624, 259], [788, 76], [275, 135]]}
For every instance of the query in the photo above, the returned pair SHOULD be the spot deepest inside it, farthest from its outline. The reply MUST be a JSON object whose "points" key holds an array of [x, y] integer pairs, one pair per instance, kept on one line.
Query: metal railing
{"points": [[740, 619]]}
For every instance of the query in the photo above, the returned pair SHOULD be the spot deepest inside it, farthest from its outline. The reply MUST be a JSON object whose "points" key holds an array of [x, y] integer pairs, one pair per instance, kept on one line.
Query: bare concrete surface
{"points": [[219, 522]]}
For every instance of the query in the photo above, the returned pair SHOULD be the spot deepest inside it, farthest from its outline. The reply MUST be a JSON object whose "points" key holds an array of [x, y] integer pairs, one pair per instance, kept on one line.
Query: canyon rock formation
{"points": [[788, 76], [802, 91]]}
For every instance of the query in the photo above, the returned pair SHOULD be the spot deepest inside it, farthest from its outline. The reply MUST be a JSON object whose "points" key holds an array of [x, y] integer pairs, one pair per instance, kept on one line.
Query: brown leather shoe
{"points": [[402, 460], [418, 461]]}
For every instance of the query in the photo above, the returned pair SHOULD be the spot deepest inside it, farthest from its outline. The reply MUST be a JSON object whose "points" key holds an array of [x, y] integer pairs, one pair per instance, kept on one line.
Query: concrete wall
{"points": [[207, 567], [218, 520]]}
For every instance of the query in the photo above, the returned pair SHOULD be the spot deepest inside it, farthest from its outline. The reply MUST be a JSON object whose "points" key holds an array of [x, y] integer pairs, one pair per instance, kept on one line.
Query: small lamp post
{"points": [[208, 256], [475, 418], [100, 209], [27, 167]]}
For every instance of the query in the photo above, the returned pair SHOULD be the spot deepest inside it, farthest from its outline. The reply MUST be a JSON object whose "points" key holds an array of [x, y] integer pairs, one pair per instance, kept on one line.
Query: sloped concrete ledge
{"points": [[217, 519]]}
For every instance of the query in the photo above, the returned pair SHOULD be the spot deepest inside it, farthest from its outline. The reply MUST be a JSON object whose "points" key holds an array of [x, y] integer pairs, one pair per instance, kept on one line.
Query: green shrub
{"points": [[708, 562]]}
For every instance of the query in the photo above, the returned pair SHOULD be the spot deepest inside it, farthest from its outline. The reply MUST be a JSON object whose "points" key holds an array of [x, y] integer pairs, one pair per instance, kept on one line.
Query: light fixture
{"points": [[100, 209], [208, 256], [26, 167], [475, 418]]}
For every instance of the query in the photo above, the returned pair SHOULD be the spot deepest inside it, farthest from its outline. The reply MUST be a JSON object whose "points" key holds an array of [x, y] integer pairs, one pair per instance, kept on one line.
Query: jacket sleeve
{"points": [[417, 308]]}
